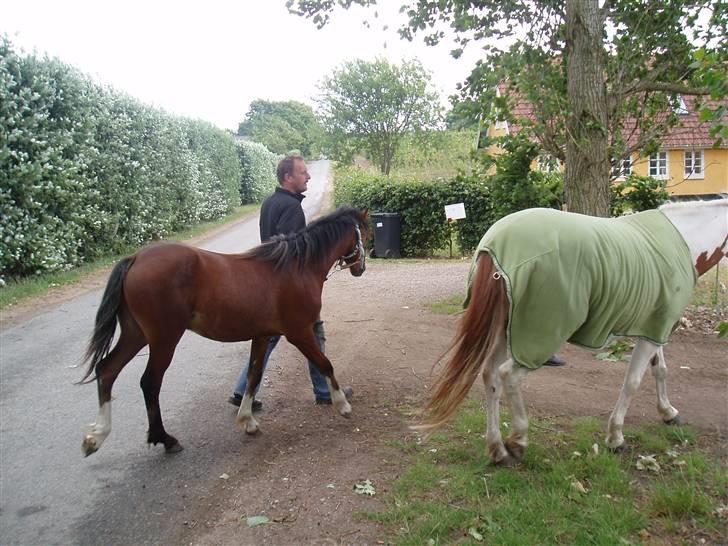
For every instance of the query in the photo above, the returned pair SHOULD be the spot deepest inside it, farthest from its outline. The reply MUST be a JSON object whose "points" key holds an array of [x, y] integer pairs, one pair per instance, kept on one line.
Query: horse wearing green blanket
{"points": [[541, 277]]}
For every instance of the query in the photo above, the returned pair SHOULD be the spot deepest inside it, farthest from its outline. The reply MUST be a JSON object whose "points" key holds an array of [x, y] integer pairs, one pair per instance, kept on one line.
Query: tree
{"points": [[372, 105], [603, 81], [283, 127]]}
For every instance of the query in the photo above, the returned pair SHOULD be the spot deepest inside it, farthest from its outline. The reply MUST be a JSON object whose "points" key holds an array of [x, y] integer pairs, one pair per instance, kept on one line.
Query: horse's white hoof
{"points": [[89, 446], [345, 409], [252, 428]]}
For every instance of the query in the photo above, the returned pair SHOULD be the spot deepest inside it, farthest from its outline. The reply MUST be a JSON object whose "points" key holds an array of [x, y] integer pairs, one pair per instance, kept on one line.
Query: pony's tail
{"points": [[481, 325], [106, 318]]}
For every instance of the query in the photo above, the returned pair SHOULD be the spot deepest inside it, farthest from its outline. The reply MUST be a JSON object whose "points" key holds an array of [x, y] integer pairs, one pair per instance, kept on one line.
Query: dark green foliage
{"points": [[637, 193], [371, 106], [283, 126]]}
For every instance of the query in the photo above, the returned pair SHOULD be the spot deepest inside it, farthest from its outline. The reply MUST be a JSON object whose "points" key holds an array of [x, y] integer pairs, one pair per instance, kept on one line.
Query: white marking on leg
{"points": [[493, 390], [338, 399], [245, 415], [659, 372], [643, 352], [97, 432], [512, 374]]}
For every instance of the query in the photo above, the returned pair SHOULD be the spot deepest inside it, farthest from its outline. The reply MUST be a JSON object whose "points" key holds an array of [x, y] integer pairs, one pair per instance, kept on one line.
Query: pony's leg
{"points": [[642, 354], [131, 341], [258, 347], [307, 344], [493, 391], [668, 413], [160, 357], [511, 375]]}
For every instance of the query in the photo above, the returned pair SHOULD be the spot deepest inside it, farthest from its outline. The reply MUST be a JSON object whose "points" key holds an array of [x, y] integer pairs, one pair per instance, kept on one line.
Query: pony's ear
{"points": [[365, 214]]}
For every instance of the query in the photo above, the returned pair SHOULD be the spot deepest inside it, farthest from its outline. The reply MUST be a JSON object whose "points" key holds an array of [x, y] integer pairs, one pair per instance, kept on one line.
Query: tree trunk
{"points": [[586, 177]]}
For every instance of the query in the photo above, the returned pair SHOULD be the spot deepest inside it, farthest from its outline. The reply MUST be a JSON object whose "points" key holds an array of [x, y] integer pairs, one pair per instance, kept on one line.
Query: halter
{"points": [[342, 264]]}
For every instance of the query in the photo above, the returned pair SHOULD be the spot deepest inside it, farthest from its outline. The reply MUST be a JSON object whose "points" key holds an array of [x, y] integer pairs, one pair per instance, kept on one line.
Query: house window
{"points": [[694, 163], [658, 165], [622, 168]]}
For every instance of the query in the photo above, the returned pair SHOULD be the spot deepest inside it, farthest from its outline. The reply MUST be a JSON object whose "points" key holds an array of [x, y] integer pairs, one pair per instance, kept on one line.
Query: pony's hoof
{"points": [[621, 448], [507, 461], [174, 448], [675, 421], [345, 410], [88, 446], [516, 451], [252, 430]]}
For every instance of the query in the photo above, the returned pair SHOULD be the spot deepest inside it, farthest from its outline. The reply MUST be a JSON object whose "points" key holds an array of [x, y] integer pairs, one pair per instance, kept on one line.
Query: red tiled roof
{"points": [[690, 133]]}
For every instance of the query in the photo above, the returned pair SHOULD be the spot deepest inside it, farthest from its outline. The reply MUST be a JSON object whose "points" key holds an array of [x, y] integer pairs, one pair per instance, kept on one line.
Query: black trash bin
{"points": [[386, 234]]}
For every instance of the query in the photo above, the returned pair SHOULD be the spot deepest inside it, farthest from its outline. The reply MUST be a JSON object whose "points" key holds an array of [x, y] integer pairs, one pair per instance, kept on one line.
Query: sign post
{"points": [[453, 212]]}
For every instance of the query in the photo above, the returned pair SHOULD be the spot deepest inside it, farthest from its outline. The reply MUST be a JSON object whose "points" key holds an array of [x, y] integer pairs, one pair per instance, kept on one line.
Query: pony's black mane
{"points": [[311, 244]]}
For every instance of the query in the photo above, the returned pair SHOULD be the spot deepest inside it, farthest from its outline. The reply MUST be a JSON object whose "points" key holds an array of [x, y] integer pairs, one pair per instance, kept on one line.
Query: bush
{"points": [[638, 193], [259, 171], [86, 170]]}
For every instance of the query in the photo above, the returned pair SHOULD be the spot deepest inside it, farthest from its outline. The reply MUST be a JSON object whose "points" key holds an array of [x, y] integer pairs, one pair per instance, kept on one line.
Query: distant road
{"points": [[126, 493]]}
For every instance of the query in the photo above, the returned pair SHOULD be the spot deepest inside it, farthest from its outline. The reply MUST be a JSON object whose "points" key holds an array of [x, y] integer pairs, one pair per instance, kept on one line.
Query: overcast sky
{"points": [[209, 59]]}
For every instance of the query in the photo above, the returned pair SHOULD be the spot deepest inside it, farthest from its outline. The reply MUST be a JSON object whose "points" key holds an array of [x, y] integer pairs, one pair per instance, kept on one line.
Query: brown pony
{"points": [[165, 289]]}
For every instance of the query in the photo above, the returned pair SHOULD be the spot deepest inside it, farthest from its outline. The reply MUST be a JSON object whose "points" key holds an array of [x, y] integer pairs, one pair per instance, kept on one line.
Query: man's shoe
{"points": [[555, 360], [348, 392], [236, 400]]}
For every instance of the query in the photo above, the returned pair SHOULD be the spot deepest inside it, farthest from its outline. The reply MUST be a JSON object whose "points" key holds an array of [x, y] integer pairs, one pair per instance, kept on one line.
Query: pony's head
{"points": [[355, 259], [704, 226]]}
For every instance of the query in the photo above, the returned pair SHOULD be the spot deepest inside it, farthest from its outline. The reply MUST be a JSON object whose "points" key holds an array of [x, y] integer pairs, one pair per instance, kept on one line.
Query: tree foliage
{"points": [[604, 81], [283, 126], [372, 105]]}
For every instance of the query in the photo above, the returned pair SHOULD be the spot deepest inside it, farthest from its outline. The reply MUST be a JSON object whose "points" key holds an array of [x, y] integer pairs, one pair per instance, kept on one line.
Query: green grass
{"points": [[451, 305], [711, 288], [450, 493], [17, 291]]}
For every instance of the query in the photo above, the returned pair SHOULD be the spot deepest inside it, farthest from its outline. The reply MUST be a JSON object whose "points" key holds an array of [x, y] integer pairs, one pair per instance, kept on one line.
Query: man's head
{"points": [[293, 174]]}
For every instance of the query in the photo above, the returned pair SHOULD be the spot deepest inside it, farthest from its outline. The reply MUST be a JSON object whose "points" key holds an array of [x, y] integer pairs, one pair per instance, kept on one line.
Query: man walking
{"points": [[282, 214]]}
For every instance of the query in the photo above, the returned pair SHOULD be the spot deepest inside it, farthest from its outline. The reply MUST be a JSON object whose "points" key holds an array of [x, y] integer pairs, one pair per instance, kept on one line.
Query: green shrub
{"points": [[259, 171], [637, 193], [86, 170]]}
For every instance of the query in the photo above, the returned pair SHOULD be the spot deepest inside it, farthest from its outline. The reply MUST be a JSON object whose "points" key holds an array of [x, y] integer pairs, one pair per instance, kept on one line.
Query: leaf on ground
{"points": [[475, 534], [365, 488], [647, 462], [254, 521]]}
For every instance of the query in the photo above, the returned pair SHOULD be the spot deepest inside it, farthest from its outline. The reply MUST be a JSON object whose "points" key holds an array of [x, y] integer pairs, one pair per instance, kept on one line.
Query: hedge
{"points": [[86, 170]]}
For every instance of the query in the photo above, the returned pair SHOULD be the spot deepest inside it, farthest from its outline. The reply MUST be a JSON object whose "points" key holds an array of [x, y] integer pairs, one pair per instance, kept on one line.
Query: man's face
{"points": [[298, 179]]}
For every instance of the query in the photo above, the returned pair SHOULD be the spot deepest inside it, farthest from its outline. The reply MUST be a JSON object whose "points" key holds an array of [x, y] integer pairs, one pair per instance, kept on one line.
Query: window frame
{"points": [[658, 160], [690, 173]]}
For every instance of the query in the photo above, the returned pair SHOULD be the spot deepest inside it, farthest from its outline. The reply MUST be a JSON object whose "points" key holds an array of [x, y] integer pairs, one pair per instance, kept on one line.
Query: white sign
{"points": [[455, 211]]}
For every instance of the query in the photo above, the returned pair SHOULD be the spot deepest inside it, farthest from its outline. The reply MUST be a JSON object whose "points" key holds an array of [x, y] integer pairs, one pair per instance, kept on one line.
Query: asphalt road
{"points": [[127, 492]]}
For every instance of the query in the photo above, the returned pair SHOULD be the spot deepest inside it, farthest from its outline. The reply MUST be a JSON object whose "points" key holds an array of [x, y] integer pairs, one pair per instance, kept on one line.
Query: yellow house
{"points": [[687, 160]]}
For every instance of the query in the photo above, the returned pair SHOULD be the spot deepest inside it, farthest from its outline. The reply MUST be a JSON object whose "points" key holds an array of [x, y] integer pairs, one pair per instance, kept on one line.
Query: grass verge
{"points": [[17, 291], [666, 489]]}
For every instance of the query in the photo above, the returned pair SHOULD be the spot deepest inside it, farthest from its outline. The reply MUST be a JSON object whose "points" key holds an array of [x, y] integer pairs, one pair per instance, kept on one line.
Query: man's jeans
{"points": [[320, 387]]}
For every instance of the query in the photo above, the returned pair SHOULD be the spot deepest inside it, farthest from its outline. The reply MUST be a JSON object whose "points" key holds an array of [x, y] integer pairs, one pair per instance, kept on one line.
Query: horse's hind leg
{"points": [[643, 352], [493, 390], [160, 357], [668, 413], [107, 370], [511, 375]]}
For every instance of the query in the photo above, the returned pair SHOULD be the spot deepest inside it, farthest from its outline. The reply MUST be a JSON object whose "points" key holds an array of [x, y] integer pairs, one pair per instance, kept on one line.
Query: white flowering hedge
{"points": [[86, 170], [259, 171]]}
